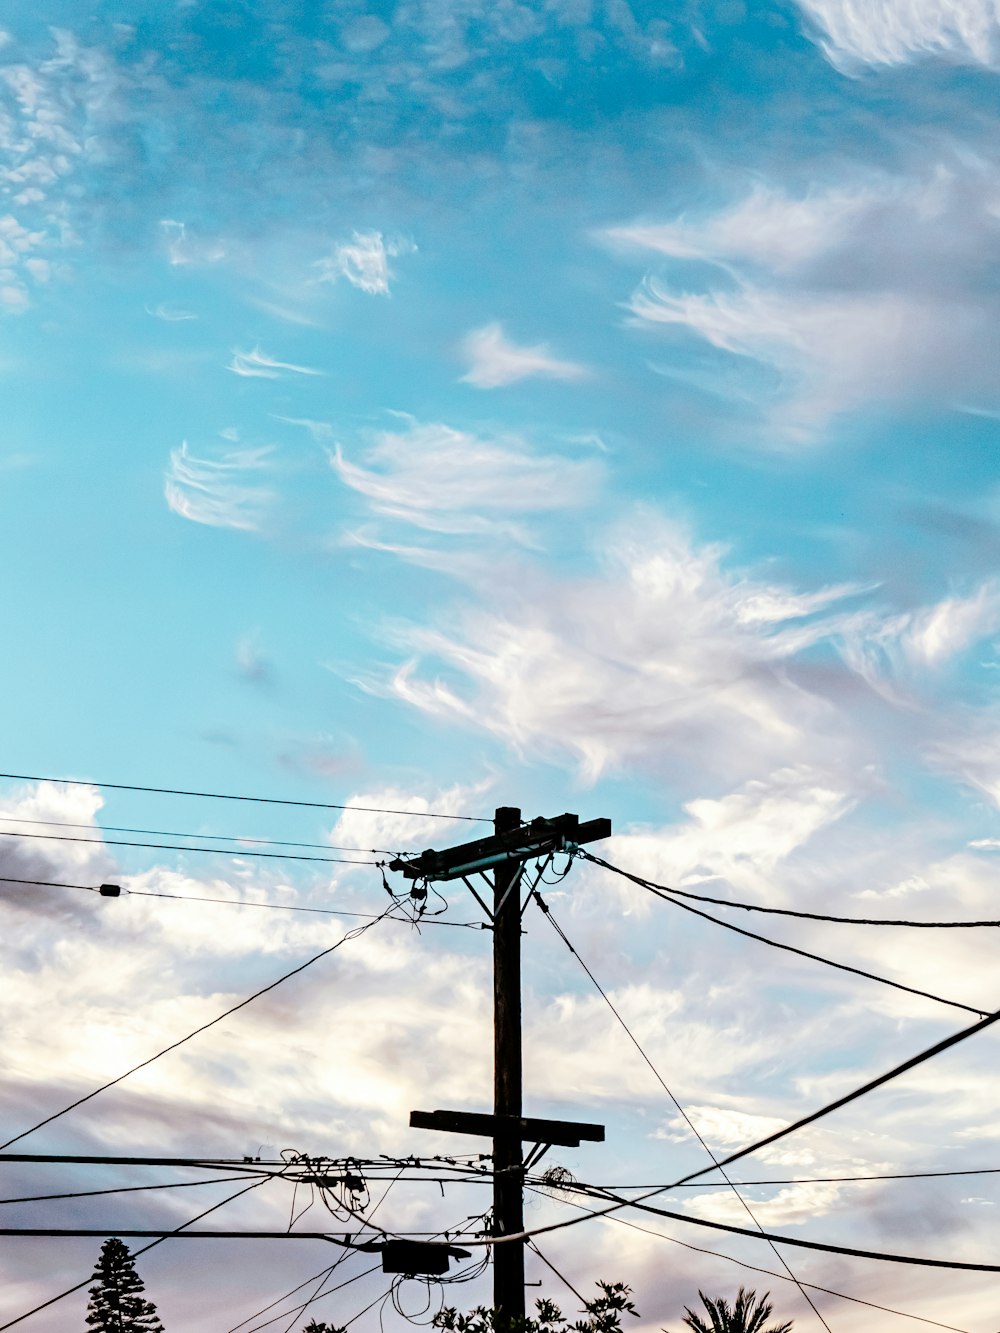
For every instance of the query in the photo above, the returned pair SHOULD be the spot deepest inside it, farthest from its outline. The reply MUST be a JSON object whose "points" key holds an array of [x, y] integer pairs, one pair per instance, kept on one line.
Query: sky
{"points": [[438, 406]]}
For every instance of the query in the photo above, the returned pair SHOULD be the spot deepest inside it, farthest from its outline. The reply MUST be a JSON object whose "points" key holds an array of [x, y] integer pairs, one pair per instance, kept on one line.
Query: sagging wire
{"points": [[478, 1226], [345, 1196], [413, 903]]}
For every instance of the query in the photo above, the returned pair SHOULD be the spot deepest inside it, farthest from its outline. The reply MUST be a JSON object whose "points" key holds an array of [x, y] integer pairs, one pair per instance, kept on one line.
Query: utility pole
{"points": [[508, 1202], [513, 844]]}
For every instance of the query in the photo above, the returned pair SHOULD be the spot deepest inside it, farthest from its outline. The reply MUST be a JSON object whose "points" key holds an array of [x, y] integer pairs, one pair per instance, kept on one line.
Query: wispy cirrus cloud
{"points": [[494, 361], [894, 32], [664, 651], [449, 481], [170, 314], [258, 365], [870, 292], [363, 261], [221, 492]]}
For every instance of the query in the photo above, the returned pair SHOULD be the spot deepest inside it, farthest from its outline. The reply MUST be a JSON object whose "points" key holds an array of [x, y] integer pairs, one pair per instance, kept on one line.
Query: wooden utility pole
{"points": [[504, 854], [508, 1206]]}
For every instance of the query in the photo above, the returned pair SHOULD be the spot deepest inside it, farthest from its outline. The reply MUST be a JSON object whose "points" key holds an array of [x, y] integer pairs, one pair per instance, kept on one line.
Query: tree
{"points": [[603, 1315], [314, 1327], [748, 1315], [116, 1303]]}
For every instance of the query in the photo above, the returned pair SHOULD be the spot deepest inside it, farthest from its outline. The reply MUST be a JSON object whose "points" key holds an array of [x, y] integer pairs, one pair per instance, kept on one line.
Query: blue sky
{"points": [[576, 406]]}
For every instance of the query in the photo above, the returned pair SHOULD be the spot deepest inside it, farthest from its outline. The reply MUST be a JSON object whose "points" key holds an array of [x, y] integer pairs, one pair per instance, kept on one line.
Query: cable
{"points": [[183, 847], [786, 911], [340, 1286], [818, 958], [218, 837], [319, 1292], [242, 902], [945, 1044], [127, 1189], [289, 907], [816, 1180], [769, 1272], [547, 913], [825, 1248], [351, 934], [564, 1280], [60, 1233], [159, 1241], [259, 800], [244, 1165]]}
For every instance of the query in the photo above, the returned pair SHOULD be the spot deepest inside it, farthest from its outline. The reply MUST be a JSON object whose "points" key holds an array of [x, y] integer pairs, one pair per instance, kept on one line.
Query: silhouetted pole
{"points": [[508, 1206]]}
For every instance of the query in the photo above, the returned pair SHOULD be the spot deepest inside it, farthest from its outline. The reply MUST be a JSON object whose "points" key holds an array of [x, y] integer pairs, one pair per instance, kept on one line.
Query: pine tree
{"points": [[116, 1303]]}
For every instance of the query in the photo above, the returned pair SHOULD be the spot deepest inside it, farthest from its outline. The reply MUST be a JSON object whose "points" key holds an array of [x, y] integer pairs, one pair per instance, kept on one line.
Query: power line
{"points": [[938, 1048], [244, 1164], [305, 1305], [564, 1280], [181, 1230], [259, 800], [546, 911], [786, 911], [218, 837], [243, 902], [323, 1277], [184, 847], [351, 934], [819, 958], [815, 1180], [824, 1247], [127, 1189], [768, 1272]]}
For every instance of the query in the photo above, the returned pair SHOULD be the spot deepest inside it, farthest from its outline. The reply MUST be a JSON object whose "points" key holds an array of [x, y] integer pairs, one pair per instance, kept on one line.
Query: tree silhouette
{"points": [[314, 1327], [602, 1315], [116, 1303], [748, 1315]]}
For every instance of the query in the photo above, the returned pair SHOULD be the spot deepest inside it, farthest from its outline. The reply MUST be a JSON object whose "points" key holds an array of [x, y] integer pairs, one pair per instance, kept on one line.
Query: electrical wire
{"points": [[768, 1272], [818, 1180], [178, 1231], [917, 1261], [241, 902], [351, 934], [259, 800], [126, 1189], [217, 837], [356, 1278], [547, 913], [819, 958], [319, 1291], [184, 847], [245, 1165], [277, 1301], [548, 1263], [785, 911], [920, 1058]]}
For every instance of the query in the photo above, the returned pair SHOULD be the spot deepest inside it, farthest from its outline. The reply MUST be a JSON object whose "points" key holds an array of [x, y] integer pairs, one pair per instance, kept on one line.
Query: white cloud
{"points": [[871, 291], [657, 655], [449, 481], [768, 227], [742, 837], [832, 352], [258, 365], [220, 492], [893, 32], [170, 314], [902, 647], [184, 249], [496, 362], [363, 261]]}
